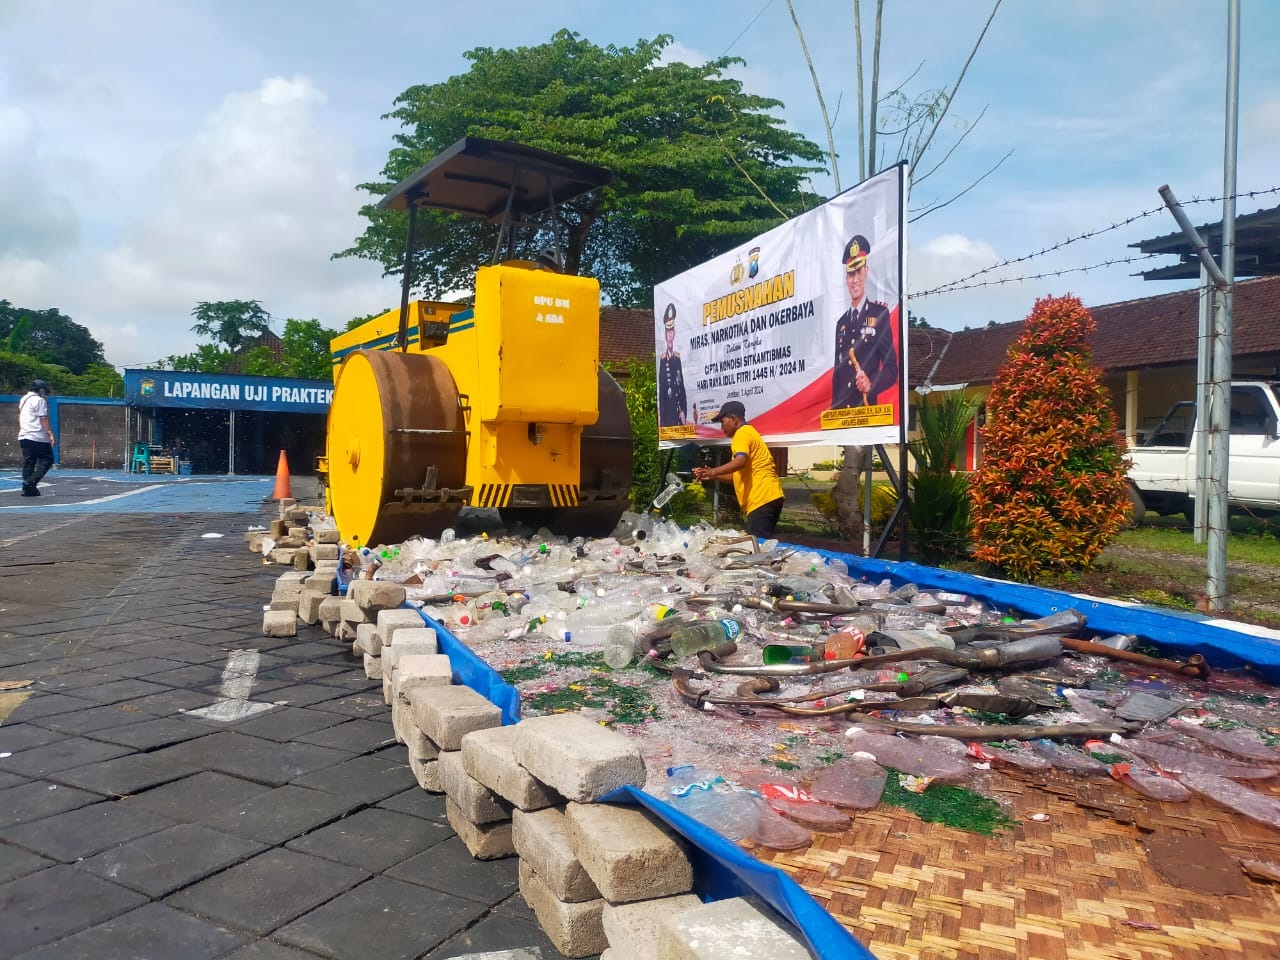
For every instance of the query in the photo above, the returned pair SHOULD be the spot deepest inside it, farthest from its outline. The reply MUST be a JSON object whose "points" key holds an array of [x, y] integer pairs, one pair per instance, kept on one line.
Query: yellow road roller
{"points": [[500, 405]]}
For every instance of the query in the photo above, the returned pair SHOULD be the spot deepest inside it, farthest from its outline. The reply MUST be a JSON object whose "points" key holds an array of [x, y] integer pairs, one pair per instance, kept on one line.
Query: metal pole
{"points": [[1204, 370], [1216, 588], [406, 281]]}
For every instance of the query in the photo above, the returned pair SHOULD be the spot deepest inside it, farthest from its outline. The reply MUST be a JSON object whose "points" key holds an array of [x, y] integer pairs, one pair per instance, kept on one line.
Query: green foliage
{"points": [[699, 164], [938, 491], [640, 385], [305, 350], [304, 345], [48, 336], [1050, 492], [98, 380], [232, 323], [206, 358]]}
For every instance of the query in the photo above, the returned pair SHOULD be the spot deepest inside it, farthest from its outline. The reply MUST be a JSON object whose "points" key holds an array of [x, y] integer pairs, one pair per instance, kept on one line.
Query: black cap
{"points": [[855, 253], [730, 408], [669, 317], [39, 386]]}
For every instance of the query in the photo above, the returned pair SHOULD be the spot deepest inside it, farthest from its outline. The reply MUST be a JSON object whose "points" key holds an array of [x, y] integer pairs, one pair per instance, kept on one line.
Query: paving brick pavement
{"points": [[130, 827]]}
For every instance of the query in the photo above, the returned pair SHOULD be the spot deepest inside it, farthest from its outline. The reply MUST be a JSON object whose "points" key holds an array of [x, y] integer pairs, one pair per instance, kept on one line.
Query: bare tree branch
{"points": [[875, 87], [954, 87], [916, 181], [826, 121], [862, 129], [939, 206]]}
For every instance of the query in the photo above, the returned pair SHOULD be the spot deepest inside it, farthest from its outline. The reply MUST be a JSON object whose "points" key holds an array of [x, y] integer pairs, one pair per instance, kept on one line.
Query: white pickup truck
{"points": [[1163, 470]]}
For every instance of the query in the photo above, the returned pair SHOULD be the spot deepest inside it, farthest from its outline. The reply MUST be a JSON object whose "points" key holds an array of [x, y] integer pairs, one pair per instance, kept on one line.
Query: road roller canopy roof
{"points": [[476, 177]]}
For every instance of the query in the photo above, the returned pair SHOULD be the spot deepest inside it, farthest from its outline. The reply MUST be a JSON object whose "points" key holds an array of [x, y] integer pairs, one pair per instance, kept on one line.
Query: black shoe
{"points": [[30, 491]]}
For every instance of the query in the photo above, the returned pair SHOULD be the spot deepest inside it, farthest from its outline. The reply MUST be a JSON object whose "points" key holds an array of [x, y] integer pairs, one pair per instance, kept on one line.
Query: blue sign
{"points": [[203, 391]]}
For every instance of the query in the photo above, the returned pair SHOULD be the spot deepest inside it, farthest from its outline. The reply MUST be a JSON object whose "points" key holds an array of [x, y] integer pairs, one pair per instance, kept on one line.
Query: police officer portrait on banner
{"points": [[672, 404], [866, 362]]}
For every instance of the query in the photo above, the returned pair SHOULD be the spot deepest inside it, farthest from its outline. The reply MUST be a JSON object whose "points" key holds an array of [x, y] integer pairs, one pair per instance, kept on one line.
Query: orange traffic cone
{"points": [[282, 490]]}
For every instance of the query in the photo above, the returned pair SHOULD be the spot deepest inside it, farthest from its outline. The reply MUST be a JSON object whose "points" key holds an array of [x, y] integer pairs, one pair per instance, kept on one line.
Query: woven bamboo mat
{"points": [[1081, 884]]}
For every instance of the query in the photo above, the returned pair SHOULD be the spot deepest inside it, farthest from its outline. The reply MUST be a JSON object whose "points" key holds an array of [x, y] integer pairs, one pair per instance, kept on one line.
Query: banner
{"points": [[802, 325], [203, 391]]}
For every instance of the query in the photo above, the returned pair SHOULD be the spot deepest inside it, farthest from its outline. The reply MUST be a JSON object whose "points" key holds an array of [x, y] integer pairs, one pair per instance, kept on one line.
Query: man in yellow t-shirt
{"points": [[755, 479]]}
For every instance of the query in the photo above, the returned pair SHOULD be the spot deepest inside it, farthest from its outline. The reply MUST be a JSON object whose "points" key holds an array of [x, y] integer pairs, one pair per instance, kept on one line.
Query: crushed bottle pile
{"points": [[774, 694]]}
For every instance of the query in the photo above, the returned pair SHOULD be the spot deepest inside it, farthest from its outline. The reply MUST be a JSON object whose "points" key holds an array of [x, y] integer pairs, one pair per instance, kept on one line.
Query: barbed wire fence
{"points": [[971, 281]]}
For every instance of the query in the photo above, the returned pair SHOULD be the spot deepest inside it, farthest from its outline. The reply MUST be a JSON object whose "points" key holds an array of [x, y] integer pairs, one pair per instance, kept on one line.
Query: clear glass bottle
{"points": [[704, 635]]}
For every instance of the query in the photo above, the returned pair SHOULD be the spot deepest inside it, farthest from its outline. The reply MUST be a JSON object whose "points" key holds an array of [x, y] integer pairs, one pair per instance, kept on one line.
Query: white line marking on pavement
{"points": [[237, 680], [89, 503], [40, 533]]}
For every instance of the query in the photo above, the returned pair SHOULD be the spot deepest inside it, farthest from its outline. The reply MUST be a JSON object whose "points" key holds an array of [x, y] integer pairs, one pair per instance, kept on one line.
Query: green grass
{"points": [[1251, 540]]}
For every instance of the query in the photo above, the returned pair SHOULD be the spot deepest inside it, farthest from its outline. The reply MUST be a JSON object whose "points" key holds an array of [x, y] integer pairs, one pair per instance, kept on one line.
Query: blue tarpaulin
{"points": [[1225, 644]]}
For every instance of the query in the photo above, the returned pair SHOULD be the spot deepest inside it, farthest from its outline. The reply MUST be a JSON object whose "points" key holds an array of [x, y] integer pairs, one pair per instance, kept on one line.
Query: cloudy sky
{"points": [[156, 153]]}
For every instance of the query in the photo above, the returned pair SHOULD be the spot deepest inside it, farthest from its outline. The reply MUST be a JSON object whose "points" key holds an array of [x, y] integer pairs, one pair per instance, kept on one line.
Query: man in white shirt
{"points": [[35, 436]]}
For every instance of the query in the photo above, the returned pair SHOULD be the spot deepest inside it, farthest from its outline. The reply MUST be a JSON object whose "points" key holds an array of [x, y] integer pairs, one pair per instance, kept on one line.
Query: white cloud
{"points": [[36, 220], [250, 208]]}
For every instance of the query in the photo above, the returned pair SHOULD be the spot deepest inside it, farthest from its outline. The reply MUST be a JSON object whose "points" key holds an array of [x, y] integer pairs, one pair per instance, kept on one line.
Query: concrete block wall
{"points": [[599, 877]]}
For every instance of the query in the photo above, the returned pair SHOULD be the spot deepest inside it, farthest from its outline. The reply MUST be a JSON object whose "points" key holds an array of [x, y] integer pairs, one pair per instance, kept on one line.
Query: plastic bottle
{"points": [[704, 635], [674, 486], [620, 645]]}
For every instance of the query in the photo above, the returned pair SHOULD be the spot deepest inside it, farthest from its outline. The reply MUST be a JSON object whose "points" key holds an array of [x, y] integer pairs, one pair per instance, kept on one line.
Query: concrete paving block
{"points": [[473, 799], [346, 631], [575, 929], [412, 638], [401, 715], [391, 654], [420, 746], [628, 853], [327, 535], [542, 838], [632, 928], [330, 612], [296, 530], [367, 640], [282, 555], [322, 581], [372, 667], [376, 595], [427, 773], [309, 607], [254, 540], [391, 622], [488, 755], [278, 528], [302, 559], [326, 551], [286, 504], [447, 714], [741, 927], [288, 584], [576, 756], [290, 603], [352, 612], [416, 670], [279, 623], [485, 841]]}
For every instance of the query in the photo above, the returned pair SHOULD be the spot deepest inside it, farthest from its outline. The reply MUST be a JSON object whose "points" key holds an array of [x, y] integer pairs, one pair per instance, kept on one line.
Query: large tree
{"points": [[233, 323], [700, 165], [49, 336]]}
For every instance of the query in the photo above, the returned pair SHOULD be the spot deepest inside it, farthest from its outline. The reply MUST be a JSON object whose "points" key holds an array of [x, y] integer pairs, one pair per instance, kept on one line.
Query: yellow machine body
{"points": [[487, 407]]}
